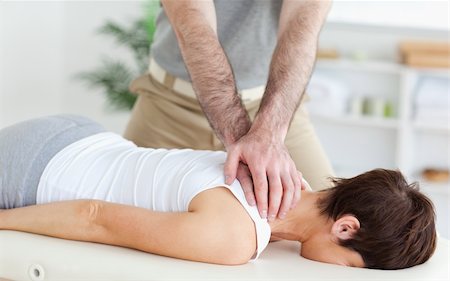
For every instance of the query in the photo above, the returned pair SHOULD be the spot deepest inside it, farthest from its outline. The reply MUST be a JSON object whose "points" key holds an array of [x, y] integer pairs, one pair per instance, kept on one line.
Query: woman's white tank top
{"points": [[107, 167]]}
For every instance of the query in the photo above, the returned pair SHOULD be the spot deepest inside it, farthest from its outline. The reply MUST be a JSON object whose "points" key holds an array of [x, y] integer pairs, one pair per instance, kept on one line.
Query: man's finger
{"points": [[275, 194], [261, 188], [297, 180], [298, 189], [231, 166], [288, 194], [297, 196], [244, 177]]}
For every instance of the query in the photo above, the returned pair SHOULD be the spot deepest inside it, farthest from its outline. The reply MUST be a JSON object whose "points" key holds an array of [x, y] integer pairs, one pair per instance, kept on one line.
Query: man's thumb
{"points": [[231, 166]]}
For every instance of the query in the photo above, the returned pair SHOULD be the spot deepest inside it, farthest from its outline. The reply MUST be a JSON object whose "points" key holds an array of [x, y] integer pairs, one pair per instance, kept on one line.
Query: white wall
{"points": [[43, 45], [421, 14], [32, 59], [2, 103]]}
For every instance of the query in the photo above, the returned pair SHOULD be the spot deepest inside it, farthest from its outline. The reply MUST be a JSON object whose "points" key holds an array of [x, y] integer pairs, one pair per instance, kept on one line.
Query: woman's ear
{"points": [[345, 227]]}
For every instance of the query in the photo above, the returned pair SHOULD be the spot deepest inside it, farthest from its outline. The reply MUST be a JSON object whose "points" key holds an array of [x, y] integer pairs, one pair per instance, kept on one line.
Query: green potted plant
{"points": [[113, 76]]}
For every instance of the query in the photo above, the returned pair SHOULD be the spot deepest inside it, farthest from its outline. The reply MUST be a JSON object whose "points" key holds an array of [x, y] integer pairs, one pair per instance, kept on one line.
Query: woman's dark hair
{"points": [[397, 221]]}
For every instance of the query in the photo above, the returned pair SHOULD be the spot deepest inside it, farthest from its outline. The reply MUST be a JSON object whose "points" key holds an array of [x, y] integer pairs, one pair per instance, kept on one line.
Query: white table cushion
{"points": [[26, 256]]}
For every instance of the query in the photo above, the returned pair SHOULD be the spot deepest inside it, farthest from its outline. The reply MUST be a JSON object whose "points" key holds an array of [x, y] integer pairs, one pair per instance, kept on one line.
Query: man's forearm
{"points": [[290, 69], [212, 78]]}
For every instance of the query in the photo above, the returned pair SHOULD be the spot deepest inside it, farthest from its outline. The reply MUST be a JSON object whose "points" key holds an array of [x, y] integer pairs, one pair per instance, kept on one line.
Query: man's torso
{"points": [[247, 31]]}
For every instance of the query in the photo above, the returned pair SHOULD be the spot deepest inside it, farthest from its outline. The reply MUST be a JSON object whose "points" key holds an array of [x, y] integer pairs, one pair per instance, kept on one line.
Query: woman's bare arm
{"points": [[194, 235]]}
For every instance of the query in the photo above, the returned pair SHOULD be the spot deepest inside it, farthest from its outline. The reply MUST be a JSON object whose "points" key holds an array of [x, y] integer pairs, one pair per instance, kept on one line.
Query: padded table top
{"points": [[26, 256]]}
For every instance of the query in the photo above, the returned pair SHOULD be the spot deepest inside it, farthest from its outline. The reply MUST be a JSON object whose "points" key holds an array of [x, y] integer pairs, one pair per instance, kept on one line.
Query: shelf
{"points": [[379, 66], [360, 65], [442, 188], [360, 26], [363, 121], [435, 72], [430, 127], [428, 187]]}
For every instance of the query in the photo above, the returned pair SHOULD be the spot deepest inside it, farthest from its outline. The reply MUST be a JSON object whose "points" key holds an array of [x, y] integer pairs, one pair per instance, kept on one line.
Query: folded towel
{"points": [[432, 115], [433, 92], [328, 96]]}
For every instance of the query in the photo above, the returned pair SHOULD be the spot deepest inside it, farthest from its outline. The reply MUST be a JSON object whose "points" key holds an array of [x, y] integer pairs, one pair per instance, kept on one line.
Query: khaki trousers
{"points": [[163, 118]]}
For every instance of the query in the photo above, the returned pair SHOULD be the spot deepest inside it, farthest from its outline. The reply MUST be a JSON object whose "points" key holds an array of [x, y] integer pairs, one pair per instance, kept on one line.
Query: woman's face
{"points": [[330, 252]]}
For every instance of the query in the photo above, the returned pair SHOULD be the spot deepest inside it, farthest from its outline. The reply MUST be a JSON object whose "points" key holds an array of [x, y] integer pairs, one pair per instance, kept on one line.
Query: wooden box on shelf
{"points": [[425, 53]]}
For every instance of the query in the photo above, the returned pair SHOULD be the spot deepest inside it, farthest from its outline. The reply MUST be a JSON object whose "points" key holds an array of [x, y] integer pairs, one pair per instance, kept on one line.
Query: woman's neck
{"points": [[302, 222]]}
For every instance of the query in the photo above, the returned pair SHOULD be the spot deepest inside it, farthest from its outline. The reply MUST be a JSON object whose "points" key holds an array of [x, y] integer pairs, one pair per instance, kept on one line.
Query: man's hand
{"points": [[267, 164]]}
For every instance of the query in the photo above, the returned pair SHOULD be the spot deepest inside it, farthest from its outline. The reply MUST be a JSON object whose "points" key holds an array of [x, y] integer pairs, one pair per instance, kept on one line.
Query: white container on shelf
{"points": [[432, 100], [356, 106], [328, 96]]}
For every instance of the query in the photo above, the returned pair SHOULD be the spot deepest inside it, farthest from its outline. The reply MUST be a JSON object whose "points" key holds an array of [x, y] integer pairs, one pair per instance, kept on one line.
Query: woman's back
{"points": [[107, 167]]}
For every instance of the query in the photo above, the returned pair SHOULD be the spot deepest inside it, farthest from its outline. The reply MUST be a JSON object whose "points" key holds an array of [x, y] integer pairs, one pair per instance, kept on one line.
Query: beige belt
{"points": [[185, 88]]}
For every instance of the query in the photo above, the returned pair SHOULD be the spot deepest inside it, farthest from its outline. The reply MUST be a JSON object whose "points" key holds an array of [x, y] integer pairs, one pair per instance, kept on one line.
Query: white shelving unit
{"points": [[363, 65], [403, 125], [359, 143], [362, 121]]}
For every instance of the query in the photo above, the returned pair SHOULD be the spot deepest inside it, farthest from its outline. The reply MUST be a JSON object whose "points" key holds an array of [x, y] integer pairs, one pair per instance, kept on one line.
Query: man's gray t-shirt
{"points": [[247, 31]]}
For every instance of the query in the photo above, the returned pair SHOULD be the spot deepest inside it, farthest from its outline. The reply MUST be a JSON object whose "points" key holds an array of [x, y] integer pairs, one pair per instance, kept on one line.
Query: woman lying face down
{"points": [[64, 176]]}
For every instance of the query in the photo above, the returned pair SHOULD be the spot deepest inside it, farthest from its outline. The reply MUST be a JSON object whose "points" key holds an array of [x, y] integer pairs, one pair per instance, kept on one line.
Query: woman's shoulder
{"points": [[221, 202], [228, 217]]}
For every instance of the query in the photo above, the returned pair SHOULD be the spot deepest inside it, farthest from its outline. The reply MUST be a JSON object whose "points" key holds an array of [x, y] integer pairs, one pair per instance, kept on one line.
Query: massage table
{"points": [[32, 257]]}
